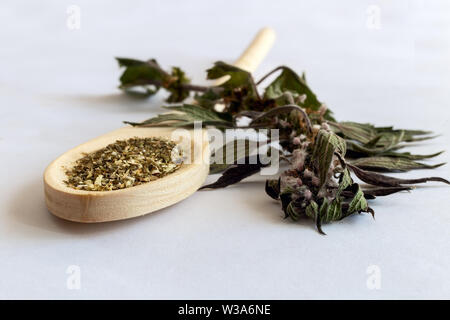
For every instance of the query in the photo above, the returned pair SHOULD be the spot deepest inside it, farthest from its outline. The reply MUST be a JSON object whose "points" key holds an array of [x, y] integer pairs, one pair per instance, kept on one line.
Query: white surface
{"points": [[58, 89]]}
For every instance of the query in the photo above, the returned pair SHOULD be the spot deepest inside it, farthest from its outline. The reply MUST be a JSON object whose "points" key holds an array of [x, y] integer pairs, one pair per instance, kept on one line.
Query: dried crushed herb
{"points": [[124, 164]]}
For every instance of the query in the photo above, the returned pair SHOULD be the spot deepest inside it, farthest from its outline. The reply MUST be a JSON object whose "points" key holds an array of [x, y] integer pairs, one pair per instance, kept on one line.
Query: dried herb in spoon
{"points": [[124, 163]]}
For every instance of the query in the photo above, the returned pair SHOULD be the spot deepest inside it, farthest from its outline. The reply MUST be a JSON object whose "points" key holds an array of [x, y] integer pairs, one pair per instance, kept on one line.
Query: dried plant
{"points": [[322, 151]]}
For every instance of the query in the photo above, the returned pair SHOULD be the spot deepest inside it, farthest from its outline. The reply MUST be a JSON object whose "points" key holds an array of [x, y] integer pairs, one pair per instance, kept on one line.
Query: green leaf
{"points": [[358, 203], [127, 62], [325, 145], [410, 156], [362, 132], [186, 115], [391, 164], [177, 92], [199, 113], [239, 90], [378, 138], [208, 99], [358, 150], [293, 211], [142, 74], [237, 78], [151, 77], [331, 211], [345, 180], [289, 81], [312, 210], [408, 133]]}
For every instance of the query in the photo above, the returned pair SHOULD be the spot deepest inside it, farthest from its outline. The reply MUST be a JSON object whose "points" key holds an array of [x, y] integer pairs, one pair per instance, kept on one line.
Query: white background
{"points": [[58, 88]]}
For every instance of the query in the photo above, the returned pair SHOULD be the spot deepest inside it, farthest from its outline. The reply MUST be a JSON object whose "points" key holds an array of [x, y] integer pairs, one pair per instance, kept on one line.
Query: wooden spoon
{"points": [[102, 206]]}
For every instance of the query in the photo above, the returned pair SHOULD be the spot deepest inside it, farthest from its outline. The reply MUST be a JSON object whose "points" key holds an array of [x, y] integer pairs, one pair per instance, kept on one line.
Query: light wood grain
{"points": [[100, 206], [255, 53]]}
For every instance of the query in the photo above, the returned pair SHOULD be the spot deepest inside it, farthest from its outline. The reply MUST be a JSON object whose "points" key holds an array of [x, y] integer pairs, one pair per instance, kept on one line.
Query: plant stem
{"points": [[193, 87], [187, 86], [284, 109], [269, 74]]}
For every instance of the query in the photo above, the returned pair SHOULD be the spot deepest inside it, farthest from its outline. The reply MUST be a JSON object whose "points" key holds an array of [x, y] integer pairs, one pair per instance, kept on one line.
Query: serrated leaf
{"points": [[238, 78], [151, 77], [208, 99], [325, 145], [362, 132], [357, 150], [345, 180], [127, 62], [410, 156], [331, 211], [391, 164], [142, 73], [239, 91], [199, 113], [186, 115], [378, 179], [289, 81], [312, 210], [293, 211], [358, 203], [378, 138]]}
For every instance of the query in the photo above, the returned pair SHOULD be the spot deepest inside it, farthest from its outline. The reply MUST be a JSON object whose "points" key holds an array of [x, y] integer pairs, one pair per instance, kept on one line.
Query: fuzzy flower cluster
{"points": [[302, 181]]}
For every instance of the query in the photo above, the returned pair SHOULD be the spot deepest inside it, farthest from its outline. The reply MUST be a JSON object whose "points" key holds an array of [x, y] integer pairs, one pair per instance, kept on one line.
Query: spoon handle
{"points": [[257, 50], [254, 54]]}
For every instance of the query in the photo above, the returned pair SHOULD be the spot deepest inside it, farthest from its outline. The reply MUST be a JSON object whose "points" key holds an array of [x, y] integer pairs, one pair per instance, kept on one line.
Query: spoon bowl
{"points": [[99, 206]]}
